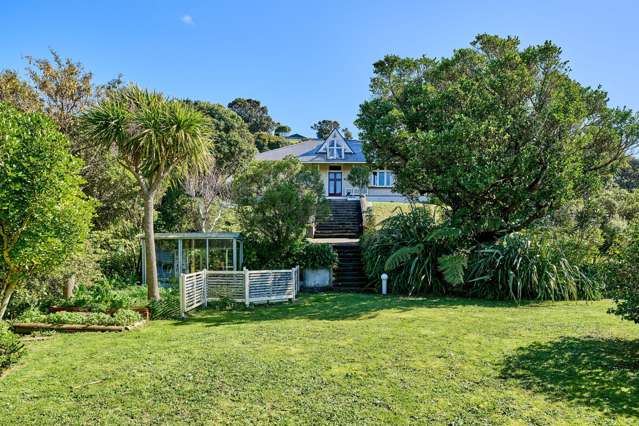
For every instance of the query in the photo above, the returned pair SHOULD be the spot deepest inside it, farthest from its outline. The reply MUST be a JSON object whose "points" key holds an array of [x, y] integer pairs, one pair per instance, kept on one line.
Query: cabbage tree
{"points": [[154, 138]]}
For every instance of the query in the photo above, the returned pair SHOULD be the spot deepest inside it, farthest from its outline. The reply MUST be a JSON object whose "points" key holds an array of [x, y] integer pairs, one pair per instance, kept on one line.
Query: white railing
{"points": [[247, 287]]}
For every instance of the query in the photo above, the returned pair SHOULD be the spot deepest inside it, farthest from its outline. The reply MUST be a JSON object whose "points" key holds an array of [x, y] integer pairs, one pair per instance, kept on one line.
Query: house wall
{"points": [[373, 194]]}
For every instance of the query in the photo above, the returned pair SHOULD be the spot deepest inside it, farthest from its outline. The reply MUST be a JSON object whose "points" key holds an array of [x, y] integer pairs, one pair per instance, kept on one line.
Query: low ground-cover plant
{"points": [[11, 347], [122, 317], [106, 295]]}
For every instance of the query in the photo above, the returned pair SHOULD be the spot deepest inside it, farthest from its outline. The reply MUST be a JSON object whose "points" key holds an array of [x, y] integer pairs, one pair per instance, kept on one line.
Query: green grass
{"points": [[347, 359], [385, 209]]}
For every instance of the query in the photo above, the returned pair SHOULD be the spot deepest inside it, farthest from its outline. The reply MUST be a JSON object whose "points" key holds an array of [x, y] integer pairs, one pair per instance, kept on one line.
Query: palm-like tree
{"points": [[155, 139]]}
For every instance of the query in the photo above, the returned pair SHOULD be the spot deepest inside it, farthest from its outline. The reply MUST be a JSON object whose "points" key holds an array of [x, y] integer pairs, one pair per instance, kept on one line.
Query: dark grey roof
{"points": [[306, 152]]}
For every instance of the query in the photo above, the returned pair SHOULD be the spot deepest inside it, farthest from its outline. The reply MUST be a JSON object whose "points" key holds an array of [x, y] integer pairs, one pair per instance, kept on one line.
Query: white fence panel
{"points": [[240, 286], [225, 284], [192, 291]]}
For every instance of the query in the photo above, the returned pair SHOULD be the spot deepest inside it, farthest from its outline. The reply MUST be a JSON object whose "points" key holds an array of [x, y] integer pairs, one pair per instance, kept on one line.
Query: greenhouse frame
{"points": [[188, 252]]}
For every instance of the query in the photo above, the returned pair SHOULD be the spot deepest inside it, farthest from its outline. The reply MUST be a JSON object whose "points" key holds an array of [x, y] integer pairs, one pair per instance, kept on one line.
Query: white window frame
{"points": [[334, 149], [387, 179]]}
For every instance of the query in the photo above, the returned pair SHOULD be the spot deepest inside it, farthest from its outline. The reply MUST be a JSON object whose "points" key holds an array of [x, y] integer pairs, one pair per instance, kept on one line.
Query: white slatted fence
{"points": [[240, 286]]}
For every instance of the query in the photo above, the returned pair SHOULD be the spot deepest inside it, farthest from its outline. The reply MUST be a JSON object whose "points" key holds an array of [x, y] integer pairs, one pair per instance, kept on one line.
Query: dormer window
{"points": [[335, 149]]}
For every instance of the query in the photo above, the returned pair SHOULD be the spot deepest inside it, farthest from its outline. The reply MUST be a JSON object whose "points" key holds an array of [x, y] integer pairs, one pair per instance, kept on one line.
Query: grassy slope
{"points": [[384, 209], [341, 359]]}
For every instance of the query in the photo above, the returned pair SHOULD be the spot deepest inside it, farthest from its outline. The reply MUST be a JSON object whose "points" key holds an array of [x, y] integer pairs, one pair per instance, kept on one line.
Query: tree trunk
{"points": [[153, 289], [6, 296]]}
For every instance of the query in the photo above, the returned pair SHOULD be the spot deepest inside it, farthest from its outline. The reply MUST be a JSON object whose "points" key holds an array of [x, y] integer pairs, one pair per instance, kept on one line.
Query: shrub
{"points": [[626, 270], [527, 267], [405, 248], [11, 347], [276, 200], [123, 317], [106, 295], [315, 256]]}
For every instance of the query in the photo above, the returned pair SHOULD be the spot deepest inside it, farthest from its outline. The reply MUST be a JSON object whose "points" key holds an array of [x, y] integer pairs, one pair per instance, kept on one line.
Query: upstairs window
{"points": [[382, 179], [335, 149]]}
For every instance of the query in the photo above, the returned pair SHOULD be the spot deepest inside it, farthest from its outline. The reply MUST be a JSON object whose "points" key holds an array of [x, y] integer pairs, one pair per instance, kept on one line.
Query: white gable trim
{"points": [[337, 136]]}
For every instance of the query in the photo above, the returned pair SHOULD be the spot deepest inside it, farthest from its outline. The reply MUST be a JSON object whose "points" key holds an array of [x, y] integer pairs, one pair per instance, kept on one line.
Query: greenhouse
{"points": [[194, 251]]}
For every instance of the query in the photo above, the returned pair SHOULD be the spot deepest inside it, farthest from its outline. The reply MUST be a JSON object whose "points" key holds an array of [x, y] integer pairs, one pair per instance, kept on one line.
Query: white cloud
{"points": [[187, 19]]}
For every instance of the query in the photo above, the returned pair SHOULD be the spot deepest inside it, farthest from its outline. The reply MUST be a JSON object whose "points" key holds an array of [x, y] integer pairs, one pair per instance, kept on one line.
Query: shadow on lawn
{"points": [[591, 371], [333, 307]]}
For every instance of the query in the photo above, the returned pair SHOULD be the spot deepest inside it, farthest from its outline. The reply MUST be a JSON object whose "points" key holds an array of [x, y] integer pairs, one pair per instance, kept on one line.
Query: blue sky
{"points": [[308, 61]]}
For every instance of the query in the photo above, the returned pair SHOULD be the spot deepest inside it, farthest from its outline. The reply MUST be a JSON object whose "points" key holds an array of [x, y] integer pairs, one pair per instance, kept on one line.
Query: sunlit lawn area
{"points": [[339, 358]]}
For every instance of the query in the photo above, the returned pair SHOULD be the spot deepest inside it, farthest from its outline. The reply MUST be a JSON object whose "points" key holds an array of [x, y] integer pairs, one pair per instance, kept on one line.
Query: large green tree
{"points": [[254, 114], [323, 128], [155, 138], [499, 135], [276, 200], [44, 216]]}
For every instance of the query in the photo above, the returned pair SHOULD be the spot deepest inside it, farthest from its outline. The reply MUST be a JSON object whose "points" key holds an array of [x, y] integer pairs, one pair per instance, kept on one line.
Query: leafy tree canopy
{"points": [[275, 201], [628, 177], [233, 144], [254, 114], [266, 141], [44, 216], [18, 93], [499, 135], [323, 128]]}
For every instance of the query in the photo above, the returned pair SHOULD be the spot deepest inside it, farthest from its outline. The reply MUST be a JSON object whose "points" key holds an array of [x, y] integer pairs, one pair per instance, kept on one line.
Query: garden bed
{"points": [[144, 311], [30, 327]]}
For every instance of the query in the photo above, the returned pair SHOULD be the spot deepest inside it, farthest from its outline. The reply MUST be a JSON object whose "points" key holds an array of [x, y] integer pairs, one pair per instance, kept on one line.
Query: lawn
{"points": [[385, 209], [340, 358]]}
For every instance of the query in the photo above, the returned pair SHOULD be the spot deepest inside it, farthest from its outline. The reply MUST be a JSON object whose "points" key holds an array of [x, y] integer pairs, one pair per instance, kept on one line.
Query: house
{"points": [[334, 157]]}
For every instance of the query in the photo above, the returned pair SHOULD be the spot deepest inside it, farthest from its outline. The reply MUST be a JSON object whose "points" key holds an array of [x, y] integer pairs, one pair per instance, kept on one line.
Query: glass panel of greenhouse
{"points": [[194, 251]]}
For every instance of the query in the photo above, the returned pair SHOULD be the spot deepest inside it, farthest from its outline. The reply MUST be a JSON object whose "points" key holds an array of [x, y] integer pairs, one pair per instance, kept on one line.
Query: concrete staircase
{"points": [[344, 223], [349, 275]]}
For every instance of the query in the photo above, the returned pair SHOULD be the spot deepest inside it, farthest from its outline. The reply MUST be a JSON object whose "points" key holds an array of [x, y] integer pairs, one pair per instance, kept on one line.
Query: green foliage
{"points": [[123, 317], [266, 141], [323, 128], [358, 176], [628, 176], [276, 201], [626, 271], [315, 256], [233, 145], [168, 307], [18, 93], [156, 138], [254, 114], [176, 211], [282, 129], [106, 295], [522, 267], [43, 213], [453, 267], [402, 248], [11, 347], [467, 129]]}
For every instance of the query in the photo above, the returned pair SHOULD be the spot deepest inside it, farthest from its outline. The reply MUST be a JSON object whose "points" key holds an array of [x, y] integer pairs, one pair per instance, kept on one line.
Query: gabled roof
{"points": [[335, 135], [308, 152]]}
